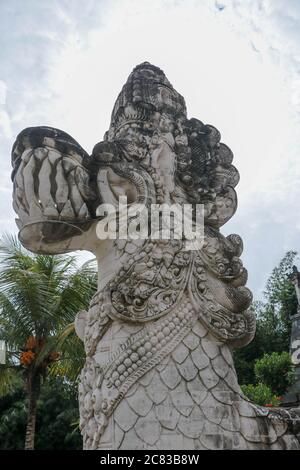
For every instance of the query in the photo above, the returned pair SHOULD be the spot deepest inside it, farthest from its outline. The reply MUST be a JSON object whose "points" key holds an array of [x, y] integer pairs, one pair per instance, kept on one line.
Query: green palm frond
{"points": [[9, 379], [40, 296], [72, 353]]}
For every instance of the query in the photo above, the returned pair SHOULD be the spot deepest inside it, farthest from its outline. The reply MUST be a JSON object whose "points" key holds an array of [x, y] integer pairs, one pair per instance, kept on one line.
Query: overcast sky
{"points": [[236, 62]]}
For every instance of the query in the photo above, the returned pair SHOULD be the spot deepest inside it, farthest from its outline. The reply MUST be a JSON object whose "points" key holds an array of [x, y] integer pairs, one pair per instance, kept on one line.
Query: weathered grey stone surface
{"points": [[292, 397], [158, 334]]}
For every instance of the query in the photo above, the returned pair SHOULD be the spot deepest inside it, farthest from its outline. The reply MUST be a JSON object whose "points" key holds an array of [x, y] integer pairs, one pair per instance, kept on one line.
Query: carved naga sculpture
{"points": [[158, 335]]}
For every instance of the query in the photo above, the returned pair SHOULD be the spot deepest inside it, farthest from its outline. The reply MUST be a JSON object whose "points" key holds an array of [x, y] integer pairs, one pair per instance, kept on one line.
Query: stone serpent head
{"points": [[152, 154], [158, 332]]}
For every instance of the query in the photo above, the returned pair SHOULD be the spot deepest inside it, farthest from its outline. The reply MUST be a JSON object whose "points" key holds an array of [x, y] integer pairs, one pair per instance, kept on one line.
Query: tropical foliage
{"points": [[264, 367], [57, 417], [276, 371], [272, 321], [39, 297], [260, 394]]}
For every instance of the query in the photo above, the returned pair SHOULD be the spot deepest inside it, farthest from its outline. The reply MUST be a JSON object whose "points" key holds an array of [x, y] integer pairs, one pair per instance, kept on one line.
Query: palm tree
{"points": [[39, 297]]}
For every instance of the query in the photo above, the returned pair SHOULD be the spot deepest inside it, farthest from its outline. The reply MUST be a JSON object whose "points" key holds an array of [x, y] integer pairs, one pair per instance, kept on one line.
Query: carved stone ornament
{"points": [[158, 334]]}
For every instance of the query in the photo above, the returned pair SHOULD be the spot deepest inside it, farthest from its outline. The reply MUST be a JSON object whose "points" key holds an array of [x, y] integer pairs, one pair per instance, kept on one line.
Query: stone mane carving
{"points": [[158, 335]]}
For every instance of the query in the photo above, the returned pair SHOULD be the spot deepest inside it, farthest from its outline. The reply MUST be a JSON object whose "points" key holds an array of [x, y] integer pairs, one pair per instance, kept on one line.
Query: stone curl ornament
{"points": [[160, 330]]}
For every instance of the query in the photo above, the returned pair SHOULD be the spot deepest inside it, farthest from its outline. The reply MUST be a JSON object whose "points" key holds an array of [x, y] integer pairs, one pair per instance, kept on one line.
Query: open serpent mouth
{"points": [[52, 191]]}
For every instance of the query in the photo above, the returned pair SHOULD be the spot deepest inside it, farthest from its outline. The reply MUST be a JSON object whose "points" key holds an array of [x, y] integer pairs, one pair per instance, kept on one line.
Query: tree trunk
{"points": [[33, 395]]}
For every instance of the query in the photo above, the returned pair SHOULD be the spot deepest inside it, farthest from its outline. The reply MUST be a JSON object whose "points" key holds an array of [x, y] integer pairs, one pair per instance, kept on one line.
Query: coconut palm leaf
{"points": [[39, 298]]}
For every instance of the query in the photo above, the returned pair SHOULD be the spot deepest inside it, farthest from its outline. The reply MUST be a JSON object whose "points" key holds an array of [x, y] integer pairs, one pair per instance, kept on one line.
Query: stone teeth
{"points": [[44, 193], [40, 153], [26, 155], [83, 213], [19, 181], [62, 191], [67, 211], [75, 196], [50, 211], [30, 196], [19, 223], [54, 156]]}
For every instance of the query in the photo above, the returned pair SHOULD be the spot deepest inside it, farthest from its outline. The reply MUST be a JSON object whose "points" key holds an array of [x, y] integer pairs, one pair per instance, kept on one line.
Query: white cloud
{"points": [[5, 126], [3, 88]]}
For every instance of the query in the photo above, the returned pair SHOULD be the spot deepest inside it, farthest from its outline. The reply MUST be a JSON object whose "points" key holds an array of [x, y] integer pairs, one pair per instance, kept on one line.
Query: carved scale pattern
{"points": [[193, 401]]}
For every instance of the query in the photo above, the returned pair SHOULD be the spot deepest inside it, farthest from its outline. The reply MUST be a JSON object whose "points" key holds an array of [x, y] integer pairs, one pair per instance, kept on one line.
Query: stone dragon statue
{"points": [[159, 332]]}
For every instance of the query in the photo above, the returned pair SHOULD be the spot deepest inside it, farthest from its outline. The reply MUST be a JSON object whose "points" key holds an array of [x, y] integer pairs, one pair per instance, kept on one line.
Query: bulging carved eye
{"points": [[111, 186]]}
